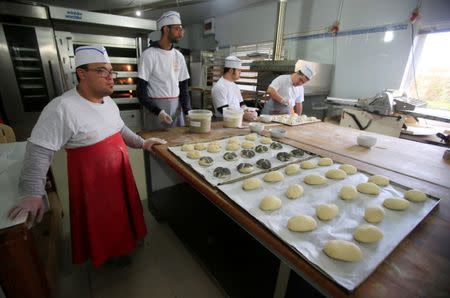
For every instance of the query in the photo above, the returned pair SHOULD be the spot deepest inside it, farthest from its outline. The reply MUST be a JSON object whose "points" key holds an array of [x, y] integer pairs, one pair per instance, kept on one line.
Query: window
{"points": [[429, 80], [248, 54]]}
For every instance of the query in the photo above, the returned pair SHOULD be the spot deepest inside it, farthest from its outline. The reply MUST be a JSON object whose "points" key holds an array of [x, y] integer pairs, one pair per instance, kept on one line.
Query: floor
{"points": [[161, 267]]}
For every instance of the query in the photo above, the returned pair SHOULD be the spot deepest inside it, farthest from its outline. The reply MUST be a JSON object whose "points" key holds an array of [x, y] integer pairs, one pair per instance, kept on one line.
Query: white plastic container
{"points": [[232, 118], [366, 141], [265, 118], [199, 121], [256, 127], [277, 133]]}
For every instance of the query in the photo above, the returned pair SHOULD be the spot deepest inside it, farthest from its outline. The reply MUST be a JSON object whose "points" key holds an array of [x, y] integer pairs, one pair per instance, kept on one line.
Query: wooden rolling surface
{"points": [[420, 265]]}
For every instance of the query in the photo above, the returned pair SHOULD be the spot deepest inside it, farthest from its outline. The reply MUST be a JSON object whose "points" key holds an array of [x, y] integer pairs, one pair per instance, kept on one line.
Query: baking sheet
{"points": [[291, 120], [395, 226], [207, 172]]}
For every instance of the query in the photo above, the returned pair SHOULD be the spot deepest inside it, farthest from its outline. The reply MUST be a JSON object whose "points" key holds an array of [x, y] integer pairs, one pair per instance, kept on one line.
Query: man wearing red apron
{"points": [[106, 214]]}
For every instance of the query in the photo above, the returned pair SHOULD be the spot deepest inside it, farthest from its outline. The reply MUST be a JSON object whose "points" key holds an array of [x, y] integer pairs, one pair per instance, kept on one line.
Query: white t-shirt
{"points": [[283, 85], [163, 70], [71, 121], [225, 92]]}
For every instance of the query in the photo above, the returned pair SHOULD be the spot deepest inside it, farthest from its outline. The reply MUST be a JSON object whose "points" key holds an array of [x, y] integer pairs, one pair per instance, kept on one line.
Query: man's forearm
{"points": [[130, 138], [185, 99], [143, 97], [299, 108], [36, 163], [274, 95]]}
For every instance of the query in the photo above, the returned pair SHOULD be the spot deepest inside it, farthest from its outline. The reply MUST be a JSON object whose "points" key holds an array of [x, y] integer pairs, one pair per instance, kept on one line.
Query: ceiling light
{"points": [[138, 13]]}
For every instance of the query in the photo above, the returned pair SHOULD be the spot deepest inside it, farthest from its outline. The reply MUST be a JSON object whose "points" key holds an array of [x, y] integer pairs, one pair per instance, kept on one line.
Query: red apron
{"points": [[106, 215]]}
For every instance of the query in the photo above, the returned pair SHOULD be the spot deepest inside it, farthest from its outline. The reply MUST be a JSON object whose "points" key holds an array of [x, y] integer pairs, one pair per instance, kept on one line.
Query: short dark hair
{"points": [[84, 66], [226, 69]]}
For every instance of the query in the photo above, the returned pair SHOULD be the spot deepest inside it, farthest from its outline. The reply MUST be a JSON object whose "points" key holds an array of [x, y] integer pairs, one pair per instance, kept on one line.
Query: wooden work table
{"points": [[420, 264]]}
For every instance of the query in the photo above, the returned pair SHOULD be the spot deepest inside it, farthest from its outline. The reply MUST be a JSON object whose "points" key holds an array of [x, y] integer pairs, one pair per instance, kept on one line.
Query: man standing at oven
{"points": [[226, 92], [286, 91], [162, 86], [106, 215]]}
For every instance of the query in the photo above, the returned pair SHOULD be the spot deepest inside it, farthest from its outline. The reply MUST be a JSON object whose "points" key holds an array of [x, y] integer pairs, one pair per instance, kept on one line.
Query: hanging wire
{"points": [[339, 15], [413, 35], [414, 60]]}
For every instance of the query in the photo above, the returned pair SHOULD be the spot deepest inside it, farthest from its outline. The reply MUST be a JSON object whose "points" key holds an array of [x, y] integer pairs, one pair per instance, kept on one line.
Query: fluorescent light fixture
{"points": [[388, 36], [138, 13]]}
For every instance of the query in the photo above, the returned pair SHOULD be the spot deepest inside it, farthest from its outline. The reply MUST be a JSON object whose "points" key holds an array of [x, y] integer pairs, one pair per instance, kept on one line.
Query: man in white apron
{"points": [[162, 86], [226, 93], [286, 91], [106, 215]]}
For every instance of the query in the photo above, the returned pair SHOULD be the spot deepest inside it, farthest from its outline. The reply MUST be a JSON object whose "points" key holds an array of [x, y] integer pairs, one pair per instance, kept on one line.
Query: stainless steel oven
{"points": [[29, 68], [37, 61]]}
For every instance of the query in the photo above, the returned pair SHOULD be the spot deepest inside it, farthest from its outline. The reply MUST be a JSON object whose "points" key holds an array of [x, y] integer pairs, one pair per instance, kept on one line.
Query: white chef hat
{"points": [[168, 18], [233, 62], [305, 69], [91, 54]]}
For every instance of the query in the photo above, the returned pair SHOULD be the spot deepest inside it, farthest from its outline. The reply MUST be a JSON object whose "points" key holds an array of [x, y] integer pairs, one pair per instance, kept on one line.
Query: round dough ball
{"points": [[292, 169], [294, 191], [270, 203], [297, 152], [194, 154], [348, 192], [276, 146], [187, 147], [233, 140], [415, 195], [396, 203], [232, 146], [200, 146], [314, 179], [263, 164], [221, 172], [374, 214], [248, 145], [245, 168], [308, 164], [205, 161], [327, 211], [343, 250], [369, 188], [247, 153], [261, 149], [336, 174], [265, 140], [349, 169], [273, 176], [230, 156], [214, 147], [325, 161], [301, 223], [251, 183], [251, 137], [379, 180], [284, 156], [367, 233]]}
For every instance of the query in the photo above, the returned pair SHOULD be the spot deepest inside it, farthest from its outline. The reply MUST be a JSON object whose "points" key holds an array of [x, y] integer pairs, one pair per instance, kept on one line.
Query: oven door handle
{"points": [[52, 76]]}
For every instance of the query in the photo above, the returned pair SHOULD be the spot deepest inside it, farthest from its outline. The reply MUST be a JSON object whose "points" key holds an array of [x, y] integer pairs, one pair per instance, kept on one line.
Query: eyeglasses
{"points": [[102, 72]]}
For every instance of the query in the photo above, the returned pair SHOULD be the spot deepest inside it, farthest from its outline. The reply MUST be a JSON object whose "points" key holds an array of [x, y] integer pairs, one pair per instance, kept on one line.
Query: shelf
{"points": [[32, 86], [25, 59], [124, 87]]}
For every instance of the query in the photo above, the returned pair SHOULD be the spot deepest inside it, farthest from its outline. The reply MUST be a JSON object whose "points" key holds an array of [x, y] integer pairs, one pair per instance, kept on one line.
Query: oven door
{"points": [[30, 74]]}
